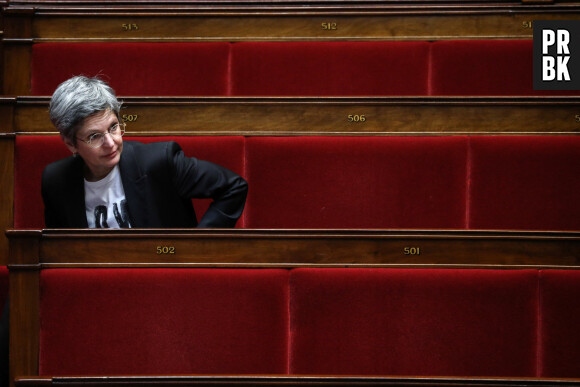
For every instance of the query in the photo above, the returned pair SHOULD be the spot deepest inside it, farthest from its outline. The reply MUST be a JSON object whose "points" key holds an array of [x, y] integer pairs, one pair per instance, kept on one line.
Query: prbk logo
{"points": [[557, 55]]}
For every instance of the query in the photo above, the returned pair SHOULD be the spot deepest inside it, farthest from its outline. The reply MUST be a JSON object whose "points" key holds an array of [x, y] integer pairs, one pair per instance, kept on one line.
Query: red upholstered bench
{"points": [[311, 68], [524, 182], [440, 322], [484, 68], [447, 182], [329, 68], [136, 69], [33, 153], [163, 321], [559, 341], [356, 182], [344, 321]]}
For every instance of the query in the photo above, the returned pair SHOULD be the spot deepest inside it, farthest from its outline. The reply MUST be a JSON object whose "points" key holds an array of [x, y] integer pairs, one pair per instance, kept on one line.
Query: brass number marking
{"points": [[527, 24], [412, 250], [329, 26], [356, 118], [165, 250], [129, 26], [577, 118], [130, 117]]}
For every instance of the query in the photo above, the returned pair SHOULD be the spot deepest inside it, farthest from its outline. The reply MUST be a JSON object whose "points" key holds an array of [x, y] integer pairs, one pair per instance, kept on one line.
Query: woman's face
{"points": [[100, 161]]}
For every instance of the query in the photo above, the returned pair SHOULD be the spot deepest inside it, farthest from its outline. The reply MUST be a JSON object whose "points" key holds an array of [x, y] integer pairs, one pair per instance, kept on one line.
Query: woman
{"points": [[111, 183]]}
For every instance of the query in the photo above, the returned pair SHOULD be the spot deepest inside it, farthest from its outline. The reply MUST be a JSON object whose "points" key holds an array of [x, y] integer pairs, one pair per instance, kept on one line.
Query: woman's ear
{"points": [[69, 144]]}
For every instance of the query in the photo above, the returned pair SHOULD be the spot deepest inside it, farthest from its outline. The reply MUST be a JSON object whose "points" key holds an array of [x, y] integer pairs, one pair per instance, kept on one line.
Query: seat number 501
{"points": [[412, 250]]}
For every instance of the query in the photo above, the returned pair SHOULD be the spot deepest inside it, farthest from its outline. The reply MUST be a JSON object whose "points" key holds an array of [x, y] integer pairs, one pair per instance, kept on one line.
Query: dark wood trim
{"points": [[234, 21], [7, 184], [263, 116], [295, 248], [288, 381]]}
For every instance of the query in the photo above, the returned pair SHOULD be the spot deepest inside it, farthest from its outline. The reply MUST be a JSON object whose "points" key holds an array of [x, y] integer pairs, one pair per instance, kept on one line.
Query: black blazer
{"points": [[159, 183]]}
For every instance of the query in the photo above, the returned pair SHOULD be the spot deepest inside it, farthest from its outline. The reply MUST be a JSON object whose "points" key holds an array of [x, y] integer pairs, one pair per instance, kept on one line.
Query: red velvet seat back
{"points": [[525, 183], [356, 182], [484, 68], [163, 321], [33, 153], [135, 69], [560, 341], [414, 322], [329, 68]]}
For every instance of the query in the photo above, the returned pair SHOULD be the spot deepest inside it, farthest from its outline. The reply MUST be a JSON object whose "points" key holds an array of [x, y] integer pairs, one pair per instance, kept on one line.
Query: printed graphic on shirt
{"points": [[122, 217]]}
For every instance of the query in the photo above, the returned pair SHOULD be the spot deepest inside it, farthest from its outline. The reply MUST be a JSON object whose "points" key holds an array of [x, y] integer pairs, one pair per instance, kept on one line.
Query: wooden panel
{"points": [[7, 184], [287, 381], [296, 248], [330, 116], [190, 22], [24, 307], [17, 51]]}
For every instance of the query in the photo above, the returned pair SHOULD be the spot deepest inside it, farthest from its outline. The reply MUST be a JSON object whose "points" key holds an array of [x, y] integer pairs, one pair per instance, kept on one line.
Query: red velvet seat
{"points": [[135, 69], [525, 183], [559, 342], [329, 68], [484, 68], [163, 321], [33, 153], [356, 182], [414, 322]]}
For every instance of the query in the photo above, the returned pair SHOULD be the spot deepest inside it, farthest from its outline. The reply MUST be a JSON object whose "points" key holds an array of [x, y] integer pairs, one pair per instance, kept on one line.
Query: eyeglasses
{"points": [[96, 140]]}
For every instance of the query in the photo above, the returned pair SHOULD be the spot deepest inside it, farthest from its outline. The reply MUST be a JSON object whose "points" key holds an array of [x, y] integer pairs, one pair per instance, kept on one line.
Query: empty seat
{"points": [[439, 322], [524, 183], [484, 68], [329, 68], [356, 182], [135, 69], [163, 321]]}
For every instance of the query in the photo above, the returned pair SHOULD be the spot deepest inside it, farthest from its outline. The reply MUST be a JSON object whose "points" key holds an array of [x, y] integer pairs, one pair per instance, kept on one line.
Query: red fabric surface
{"points": [[525, 183], [413, 322], [135, 69], [163, 321], [560, 319], [33, 153], [484, 67], [329, 68], [356, 182]]}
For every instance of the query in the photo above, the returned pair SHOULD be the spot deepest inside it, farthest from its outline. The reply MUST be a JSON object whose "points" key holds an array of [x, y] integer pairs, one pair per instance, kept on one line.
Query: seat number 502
{"points": [[165, 250]]}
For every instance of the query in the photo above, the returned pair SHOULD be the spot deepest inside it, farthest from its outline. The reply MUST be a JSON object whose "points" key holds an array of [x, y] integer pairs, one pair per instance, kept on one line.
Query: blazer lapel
{"points": [[135, 187]]}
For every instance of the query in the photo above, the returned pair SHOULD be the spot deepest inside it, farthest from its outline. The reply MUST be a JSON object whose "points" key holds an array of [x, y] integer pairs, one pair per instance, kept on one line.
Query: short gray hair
{"points": [[78, 98]]}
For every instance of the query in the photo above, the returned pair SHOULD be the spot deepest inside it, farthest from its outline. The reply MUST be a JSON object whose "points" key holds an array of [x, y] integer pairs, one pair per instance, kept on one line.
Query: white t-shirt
{"points": [[105, 202]]}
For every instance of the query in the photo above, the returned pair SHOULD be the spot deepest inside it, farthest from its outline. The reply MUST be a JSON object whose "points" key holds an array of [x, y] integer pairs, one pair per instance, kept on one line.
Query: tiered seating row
{"points": [[309, 322], [411, 68], [112, 317], [450, 182]]}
